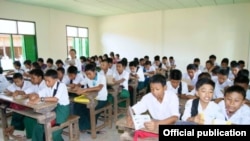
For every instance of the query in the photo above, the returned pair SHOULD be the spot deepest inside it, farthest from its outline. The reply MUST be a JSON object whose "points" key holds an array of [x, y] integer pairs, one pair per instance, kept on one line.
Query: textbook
{"points": [[139, 120]]}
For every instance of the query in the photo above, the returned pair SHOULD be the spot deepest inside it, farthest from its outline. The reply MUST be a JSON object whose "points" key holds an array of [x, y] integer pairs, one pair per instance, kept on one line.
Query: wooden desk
{"points": [[43, 112], [122, 125], [134, 84]]}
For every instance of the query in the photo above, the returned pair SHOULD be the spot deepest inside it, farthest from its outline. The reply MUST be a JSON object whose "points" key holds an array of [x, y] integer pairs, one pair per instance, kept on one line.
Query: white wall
{"points": [[51, 27], [182, 33]]}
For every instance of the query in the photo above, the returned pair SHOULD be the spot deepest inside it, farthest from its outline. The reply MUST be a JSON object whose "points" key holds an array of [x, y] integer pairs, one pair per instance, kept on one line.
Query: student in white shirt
{"points": [[62, 77], [54, 92], [96, 83], [50, 64], [176, 84], [17, 68], [73, 61], [121, 76], [233, 106], [162, 105], [234, 69], [202, 110], [4, 83], [243, 81], [22, 88], [74, 79], [105, 70], [191, 76], [198, 63], [27, 64]]}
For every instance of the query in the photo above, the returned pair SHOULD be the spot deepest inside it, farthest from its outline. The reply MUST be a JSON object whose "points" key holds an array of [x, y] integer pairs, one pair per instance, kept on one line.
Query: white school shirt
{"points": [[140, 74], [194, 80], [79, 79], [40, 86], [27, 87], [241, 116], [219, 88], [77, 63], [99, 79], [124, 75], [4, 83], [109, 72], [248, 94], [64, 79], [19, 71], [159, 111], [184, 87], [61, 93], [212, 111]]}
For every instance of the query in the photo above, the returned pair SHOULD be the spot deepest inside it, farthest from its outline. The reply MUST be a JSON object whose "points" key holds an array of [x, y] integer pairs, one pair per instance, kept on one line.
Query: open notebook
{"points": [[139, 120]]}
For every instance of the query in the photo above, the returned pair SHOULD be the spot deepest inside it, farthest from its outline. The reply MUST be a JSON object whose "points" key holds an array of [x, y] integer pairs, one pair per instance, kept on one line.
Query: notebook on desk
{"points": [[139, 120]]}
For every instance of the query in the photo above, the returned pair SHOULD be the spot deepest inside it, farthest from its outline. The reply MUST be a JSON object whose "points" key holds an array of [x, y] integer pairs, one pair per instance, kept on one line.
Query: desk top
{"points": [[23, 102], [122, 122]]}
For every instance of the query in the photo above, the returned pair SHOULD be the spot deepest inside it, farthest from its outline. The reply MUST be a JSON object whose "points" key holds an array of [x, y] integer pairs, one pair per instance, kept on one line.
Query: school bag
{"points": [[194, 108]]}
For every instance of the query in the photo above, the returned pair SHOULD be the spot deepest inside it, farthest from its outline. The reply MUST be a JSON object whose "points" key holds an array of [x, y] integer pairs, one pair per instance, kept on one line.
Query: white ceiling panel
{"points": [[116, 7]]}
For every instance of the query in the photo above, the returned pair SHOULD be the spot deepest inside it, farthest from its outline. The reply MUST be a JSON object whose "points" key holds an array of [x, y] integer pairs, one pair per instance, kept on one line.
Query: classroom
{"points": [[133, 30]]}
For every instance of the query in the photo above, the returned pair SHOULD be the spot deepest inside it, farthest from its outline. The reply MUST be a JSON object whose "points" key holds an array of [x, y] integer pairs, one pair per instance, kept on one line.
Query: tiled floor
{"points": [[109, 135]]}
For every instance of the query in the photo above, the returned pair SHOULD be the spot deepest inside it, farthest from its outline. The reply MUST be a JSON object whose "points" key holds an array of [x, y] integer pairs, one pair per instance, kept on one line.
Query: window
{"points": [[17, 42], [78, 39]]}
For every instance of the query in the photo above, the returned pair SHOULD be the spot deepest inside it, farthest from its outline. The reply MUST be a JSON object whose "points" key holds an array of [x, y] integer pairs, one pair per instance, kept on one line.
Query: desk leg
{"points": [[93, 122], [115, 108], [4, 123], [47, 130], [134, 94]]}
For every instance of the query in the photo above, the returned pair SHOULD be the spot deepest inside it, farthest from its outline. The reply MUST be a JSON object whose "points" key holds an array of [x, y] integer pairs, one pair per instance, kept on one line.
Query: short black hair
{"points": [[204, 75], [1, 70], [158, 78], [132, 64], [175, 74], [241, 62], [83, 58], [37, 72], [237, 89], [72, 70], [110, 60], [204, 81], [51, 73], [36, 65], [50, 60], [223, 72], [40, 60], [61, 69], [157, 58], [212, 56], [241, 79], [191, 67], [197, 60], [243, 72], [17, 76], [90, 67], [27, 62], [17, 63], [59, 61]]}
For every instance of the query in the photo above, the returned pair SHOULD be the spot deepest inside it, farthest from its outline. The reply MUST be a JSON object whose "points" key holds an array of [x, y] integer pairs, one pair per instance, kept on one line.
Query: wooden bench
{"points": [[73, 128]]}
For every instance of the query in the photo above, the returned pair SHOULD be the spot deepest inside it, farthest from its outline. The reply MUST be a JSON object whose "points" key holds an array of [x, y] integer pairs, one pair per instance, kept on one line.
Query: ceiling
{"points": [[116, 7]]}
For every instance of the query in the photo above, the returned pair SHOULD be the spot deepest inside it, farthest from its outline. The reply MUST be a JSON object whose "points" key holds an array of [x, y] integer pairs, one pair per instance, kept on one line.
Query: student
{"points": [[176, 84], [198, 63], [83, 60], [35, 65], [209, 66], [241, 64], [105, 70], [224, 64], [234, 69], [166, 103], [221, 83], [41, 63], [243, 72], [17, 68], [121, 76], [202, 110], [172, 62], [213, 59], [96, 83], [233, 107], [50, 64], [73, 61], [61, 75], [243, 81], [112, 66], [27, 64], [4, 83], [54, 92], [19, 87], [191, 76], [74, 78]]}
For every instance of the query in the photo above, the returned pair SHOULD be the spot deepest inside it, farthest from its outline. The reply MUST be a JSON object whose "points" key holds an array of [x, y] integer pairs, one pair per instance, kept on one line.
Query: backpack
{"points": [[194, 108]]}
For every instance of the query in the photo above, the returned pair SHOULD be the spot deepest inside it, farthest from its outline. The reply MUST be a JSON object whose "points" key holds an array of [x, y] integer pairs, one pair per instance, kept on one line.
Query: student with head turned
{"points": [[241, 64], [41, 63], [96, 83], [17, 68], [243, 81], [191, 76], [73, 61], [221, 84], [74, 79], [4, 83], [233, 106], [50, 64], [166, 103], [176, 84], [234, 69], [59, 63], [209, 66], [54, 91], [202, 110], [198, 63], [105, 70]]}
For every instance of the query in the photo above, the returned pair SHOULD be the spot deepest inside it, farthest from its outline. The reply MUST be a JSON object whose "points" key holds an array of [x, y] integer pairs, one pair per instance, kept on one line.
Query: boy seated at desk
{"points": [[243, 81], [54, 91], [4, 83], [61, 75], [202, 110], [19, 87], [74, 79], [166, 103], [233, 106], [96, 82], [17, 68]]}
